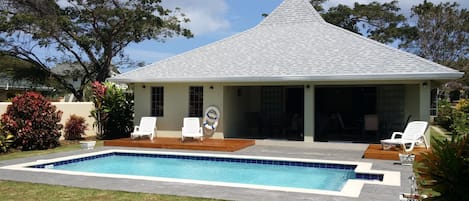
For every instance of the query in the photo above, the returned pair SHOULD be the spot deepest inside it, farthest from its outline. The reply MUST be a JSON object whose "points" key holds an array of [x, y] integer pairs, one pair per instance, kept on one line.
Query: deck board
{"points": [[375, 151], [228, 145]]}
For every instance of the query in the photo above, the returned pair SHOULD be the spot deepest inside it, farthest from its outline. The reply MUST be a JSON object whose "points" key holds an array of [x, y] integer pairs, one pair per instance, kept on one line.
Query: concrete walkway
{"points": [[326, 151]]}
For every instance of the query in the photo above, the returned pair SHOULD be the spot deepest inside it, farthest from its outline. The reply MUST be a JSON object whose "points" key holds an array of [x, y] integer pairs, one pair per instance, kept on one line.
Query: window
{"points": [[196, 101], [157, 101]]}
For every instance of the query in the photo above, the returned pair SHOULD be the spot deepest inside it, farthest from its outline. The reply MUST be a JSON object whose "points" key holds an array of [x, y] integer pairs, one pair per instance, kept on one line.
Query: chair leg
{"points": [[425, 142], [410, 148]]}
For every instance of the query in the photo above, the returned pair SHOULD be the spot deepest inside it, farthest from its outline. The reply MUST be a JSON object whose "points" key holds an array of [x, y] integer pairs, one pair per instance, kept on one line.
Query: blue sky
{"points": [[212, 20]]}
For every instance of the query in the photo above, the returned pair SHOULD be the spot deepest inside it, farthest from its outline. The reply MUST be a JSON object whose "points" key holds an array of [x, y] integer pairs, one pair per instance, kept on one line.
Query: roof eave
{"points": [[335, 77]]}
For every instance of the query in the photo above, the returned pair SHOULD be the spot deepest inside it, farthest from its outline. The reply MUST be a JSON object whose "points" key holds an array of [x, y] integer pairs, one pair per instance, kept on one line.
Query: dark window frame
{"points": [[196, 101], [157, 101]]}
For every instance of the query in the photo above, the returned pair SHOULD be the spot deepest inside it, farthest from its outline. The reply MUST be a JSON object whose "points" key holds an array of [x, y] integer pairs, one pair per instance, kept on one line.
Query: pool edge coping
{"points": [[352, 187]]}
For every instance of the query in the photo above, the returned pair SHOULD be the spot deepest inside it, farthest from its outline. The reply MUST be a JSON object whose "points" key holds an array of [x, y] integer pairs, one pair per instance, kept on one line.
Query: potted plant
{"points": [[406, 158], [87, 144]]}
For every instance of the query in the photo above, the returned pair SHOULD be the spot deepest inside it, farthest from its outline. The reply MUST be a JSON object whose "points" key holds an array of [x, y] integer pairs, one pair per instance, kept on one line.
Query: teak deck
{"points": [[375, 151], [228, 145]]}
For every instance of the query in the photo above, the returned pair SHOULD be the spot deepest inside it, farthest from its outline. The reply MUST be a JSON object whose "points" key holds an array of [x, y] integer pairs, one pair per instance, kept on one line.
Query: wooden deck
{"points": [[228, 145], [374, 151]]}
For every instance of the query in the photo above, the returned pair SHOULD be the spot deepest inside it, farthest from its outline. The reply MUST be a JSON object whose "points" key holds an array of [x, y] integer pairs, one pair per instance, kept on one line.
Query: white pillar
{"points": [[309, 113], [424, 102]]}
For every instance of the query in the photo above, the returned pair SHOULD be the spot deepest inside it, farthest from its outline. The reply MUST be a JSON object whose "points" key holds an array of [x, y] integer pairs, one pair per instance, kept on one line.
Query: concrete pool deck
{"points": [[326, 151]]}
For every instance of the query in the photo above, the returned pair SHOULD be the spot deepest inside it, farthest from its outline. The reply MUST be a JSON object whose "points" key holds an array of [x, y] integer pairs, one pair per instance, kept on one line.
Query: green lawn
{"points": [[29, 191], [66, 146], [439, 133]]}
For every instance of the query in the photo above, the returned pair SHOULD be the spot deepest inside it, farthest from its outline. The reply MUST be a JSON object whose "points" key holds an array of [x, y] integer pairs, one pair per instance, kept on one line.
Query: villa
{"points": [[292, 77]]}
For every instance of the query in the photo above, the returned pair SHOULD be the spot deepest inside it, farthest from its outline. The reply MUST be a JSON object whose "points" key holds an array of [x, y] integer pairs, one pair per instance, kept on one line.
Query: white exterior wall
{"points": [[176, 106], [82, 109], [176, 103]]}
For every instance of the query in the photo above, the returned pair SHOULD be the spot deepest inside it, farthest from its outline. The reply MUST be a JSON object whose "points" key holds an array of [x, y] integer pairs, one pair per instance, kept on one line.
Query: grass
{"points": [[29, 191], [65, 146], [439, 133], [43, 192]]}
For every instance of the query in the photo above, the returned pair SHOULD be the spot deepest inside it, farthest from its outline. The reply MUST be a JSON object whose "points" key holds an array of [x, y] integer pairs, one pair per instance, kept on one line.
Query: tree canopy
{"points": [[91, 33], [378, 21], [440, 33], [17, 69]]}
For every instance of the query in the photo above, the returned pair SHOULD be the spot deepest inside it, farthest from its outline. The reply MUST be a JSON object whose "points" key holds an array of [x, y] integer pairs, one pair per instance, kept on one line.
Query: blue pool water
{"points": [[243, 171]]}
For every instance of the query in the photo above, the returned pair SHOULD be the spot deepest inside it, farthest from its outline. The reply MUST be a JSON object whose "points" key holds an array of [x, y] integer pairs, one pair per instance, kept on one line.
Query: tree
{"points": [[441, 34], [317, 4], [378, 21], [17, 69], [92, 33]]}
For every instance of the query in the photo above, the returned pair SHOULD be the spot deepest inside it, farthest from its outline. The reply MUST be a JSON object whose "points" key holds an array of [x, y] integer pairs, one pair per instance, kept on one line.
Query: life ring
{"points": [[211, 117]]}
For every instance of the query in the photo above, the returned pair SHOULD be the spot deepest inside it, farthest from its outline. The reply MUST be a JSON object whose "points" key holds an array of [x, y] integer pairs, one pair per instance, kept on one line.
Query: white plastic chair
{"points": [[147, 127], [413, 133], [191, 128]]}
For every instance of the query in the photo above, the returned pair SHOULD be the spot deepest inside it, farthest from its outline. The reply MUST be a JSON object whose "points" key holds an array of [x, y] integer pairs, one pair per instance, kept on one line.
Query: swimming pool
{"points": [[271, 173]]}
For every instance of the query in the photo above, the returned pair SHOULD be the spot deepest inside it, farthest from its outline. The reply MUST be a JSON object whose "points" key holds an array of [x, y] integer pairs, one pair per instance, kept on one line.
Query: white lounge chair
{"points": [[191, 128], [413, 133], [147, 127]]}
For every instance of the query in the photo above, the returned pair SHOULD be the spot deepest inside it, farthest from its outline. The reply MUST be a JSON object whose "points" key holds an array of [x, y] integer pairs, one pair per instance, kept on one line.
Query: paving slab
{"points": [[325, 151]]}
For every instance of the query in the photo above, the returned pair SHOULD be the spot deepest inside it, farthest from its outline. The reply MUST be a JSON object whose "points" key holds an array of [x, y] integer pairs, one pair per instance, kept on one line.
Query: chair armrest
{"points": [[136, 128], [394, 134]]}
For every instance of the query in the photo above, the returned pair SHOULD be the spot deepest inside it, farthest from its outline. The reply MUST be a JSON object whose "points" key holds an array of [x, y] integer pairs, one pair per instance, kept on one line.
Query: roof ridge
{"points": [[292, 12]]}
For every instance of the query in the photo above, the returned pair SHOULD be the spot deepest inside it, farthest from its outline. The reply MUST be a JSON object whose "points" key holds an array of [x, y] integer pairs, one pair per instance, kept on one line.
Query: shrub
{"points": [[33, 121], [445, 113], [460, 124], [446, 169], [463, 105], [75, 128], [6, 139], [113, 110]]}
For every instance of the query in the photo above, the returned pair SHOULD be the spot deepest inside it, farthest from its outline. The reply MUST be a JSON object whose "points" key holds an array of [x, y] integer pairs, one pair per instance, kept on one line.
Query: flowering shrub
{"points": [[33, 121], [113, 110], [5, 139], [463, 105], [75, 128]]}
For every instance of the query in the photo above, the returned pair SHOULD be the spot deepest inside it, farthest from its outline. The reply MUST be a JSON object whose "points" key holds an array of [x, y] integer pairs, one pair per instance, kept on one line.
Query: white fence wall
{"points": [[81, 109]]}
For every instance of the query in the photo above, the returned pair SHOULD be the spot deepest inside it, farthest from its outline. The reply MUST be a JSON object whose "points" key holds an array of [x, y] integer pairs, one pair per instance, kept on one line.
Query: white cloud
{"points": [[206, 16]]}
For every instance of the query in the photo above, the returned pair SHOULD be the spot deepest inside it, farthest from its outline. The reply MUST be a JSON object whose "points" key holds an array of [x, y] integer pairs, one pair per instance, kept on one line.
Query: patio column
{"points": [[424, 99], [424, 102], [309, 113]]}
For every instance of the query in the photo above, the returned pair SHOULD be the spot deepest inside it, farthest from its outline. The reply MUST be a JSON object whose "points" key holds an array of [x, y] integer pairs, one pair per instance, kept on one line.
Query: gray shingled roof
{"points": [[292, 44]]}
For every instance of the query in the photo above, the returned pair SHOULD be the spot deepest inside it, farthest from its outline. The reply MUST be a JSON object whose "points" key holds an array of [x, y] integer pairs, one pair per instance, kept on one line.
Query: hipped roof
{"points": [[292, 44]]}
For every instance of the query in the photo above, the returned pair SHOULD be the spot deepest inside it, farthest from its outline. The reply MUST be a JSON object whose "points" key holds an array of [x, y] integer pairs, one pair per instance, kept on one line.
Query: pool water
{"points": [[212, 170]]}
